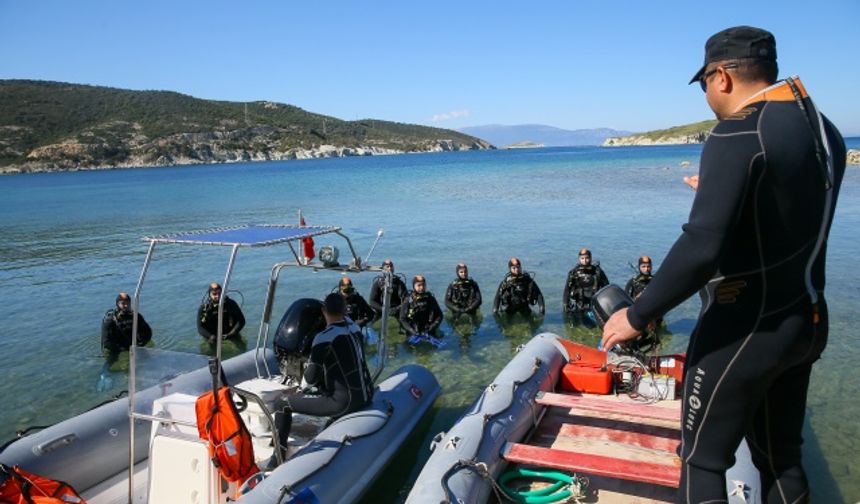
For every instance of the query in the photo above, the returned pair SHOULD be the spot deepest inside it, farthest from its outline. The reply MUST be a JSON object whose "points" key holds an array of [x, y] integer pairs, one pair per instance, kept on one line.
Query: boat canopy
{"points": [[248, 235]]}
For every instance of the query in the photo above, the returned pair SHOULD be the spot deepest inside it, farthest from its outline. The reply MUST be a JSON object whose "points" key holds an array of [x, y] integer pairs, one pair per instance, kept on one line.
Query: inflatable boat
{"points": [[147, 447], [566, 421]]}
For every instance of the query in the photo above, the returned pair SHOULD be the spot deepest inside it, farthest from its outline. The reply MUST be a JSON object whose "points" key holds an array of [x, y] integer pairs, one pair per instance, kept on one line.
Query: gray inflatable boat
{"points": [[146, 447], [601, 448]]}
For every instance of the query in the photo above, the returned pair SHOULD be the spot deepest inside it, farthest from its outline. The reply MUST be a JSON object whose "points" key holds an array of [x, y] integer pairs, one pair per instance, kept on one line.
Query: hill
{"points": [[687, 134], [502, 135], [48, 126]]}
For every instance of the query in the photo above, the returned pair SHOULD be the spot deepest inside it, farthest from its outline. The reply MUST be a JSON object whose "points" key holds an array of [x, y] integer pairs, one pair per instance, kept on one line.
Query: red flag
{"points": [[307, 243]]}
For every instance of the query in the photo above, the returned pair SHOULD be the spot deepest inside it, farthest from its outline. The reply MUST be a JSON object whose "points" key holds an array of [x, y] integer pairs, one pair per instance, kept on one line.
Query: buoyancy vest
{"points": [[462, 292], [230, 445], [517, 291], [22, 487]]}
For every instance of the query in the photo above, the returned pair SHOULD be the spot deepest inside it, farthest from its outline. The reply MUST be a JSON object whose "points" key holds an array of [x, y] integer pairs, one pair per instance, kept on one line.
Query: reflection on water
{"points": [[73, 242]]}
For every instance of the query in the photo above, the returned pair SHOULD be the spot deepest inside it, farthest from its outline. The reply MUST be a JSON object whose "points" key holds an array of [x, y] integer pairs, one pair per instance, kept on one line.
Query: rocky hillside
{"points": [[687, 134], [52, 126], [853, 156]]}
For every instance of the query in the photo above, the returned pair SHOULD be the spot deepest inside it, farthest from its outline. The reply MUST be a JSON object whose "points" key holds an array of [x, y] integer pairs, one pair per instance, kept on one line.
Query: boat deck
{"points": [[625, 448]]}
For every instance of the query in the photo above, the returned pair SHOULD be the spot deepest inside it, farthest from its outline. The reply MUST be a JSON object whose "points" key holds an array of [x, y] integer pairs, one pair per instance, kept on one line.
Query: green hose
{"points": [[560, 488]]}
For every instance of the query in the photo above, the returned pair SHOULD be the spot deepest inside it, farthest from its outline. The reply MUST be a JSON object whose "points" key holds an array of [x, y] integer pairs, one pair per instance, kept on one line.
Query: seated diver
{"points": [[117, 327], [517, 292], [356, 307], [336, 373], [207, 316], [420, 314], [582, 282], [377, 289], [463, 294]]}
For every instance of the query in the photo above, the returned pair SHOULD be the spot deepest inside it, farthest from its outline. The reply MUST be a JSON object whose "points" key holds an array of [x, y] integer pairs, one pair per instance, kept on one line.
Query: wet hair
{"points": [[514, 262], [334, 304], [754, 70], [419, 279]]}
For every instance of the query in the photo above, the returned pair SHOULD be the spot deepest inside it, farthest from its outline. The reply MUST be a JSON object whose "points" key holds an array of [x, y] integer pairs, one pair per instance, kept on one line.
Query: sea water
{"points": [[71, 241]]}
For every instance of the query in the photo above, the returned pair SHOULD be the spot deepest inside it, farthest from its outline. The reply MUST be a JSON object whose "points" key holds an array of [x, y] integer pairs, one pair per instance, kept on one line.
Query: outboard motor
{"points": [[302, 321], [609, 300]]}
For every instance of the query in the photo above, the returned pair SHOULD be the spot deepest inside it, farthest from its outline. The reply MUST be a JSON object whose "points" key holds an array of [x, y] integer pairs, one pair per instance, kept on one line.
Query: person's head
{"points": [[334, 308], [515, 266], [584, 257], [388, 265], [419, 284], [645, 265], [462, 271], [123, 301], [215, 292], [738, 62], [345, 286]]}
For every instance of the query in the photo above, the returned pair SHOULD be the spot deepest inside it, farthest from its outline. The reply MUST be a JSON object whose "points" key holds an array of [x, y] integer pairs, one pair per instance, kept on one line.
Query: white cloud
{"points": [[454, 114]]}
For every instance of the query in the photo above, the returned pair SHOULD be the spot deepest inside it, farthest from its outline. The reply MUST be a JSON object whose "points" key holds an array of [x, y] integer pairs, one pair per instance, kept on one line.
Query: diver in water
{"points": [[207, 316], [377, 289], [582, 282], [117, 327], [636, 285], [356, 307], [463, 294], [420, 313], [336, 372], [517, 292]]}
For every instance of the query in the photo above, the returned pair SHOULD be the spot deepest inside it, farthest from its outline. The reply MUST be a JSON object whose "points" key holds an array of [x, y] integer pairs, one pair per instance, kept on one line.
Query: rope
{"points": [[563, 487]]}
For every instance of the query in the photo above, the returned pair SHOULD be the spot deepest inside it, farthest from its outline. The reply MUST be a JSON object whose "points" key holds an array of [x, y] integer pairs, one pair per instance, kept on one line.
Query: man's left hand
{"points": [[617, 330]]}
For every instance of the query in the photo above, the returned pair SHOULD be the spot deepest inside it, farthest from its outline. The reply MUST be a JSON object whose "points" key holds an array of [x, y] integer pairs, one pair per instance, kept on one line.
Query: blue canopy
{"points": [[250, 235]]}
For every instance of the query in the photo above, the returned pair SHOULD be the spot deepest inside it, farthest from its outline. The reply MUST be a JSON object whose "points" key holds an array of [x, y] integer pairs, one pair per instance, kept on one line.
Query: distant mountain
{"points": [[501, 135], [51, 126]]}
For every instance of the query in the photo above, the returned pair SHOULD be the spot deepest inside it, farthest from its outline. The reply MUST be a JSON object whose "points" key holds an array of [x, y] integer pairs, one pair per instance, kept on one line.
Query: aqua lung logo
{"points": [[694, 401]]}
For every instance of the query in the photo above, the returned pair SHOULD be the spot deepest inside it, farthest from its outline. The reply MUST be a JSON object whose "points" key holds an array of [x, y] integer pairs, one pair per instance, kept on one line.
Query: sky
{"points": [[573, 64]]}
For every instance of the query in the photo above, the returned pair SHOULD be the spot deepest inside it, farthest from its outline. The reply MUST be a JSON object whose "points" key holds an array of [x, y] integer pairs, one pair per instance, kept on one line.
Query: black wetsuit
{"points": [[420, 314], [338, 371], [357, 309], [582, 282], [463, 296], [116, 332], [207, 320], [398, 294], [636, 285], [755, 244], [516, 294]]}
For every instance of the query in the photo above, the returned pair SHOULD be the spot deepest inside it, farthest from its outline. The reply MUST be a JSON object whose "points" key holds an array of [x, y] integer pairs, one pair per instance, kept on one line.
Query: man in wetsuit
{"points": [[636, 285], [377, 289], [207, 316], [463, 294], [357, 308], [755, 244], [117, 327], [420, 313], [582, 282], [336, 375], [518, 291]]}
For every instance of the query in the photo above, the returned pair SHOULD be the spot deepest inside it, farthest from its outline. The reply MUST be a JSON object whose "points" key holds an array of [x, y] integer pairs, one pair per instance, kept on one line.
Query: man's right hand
{"points": [[692, 181]]}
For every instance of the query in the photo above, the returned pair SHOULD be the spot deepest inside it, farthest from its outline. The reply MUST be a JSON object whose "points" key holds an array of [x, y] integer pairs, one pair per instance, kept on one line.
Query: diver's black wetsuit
{"points": [[338, 370], [357, 309], [756, 240], [517, 293], [463, 296], [582, 282], [116, 332], [207, 320], [398, 294], [636, 285], [420, 314]]}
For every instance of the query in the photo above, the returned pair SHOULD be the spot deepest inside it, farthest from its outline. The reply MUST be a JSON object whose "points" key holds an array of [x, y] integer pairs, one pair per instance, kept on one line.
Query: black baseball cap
{"points": [[739, 42]]}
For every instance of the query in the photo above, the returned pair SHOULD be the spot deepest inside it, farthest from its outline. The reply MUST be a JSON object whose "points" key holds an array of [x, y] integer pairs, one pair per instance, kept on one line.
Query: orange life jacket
{"points": [[22, 487], [230, 445]]}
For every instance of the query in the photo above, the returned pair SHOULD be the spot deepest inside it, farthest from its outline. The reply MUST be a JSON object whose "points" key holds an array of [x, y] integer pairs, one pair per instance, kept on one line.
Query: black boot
{"points": [[283, 423]]}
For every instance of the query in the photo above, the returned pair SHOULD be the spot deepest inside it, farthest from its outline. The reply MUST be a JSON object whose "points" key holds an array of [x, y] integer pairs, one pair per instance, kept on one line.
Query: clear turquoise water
{"points": [[72, 241]]}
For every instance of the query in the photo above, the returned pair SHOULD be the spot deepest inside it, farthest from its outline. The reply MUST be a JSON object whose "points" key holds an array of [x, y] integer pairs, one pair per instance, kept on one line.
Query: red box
{"points": [[591, 380]]}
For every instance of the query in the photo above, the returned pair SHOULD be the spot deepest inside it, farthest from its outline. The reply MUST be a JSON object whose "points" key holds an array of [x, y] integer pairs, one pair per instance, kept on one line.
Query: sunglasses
{"points": [[703, 80]]}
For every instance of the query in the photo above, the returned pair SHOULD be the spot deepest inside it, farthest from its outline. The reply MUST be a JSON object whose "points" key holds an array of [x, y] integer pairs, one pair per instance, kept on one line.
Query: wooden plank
{"points": [[619, 436], [634, 411], [645, 472]]}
